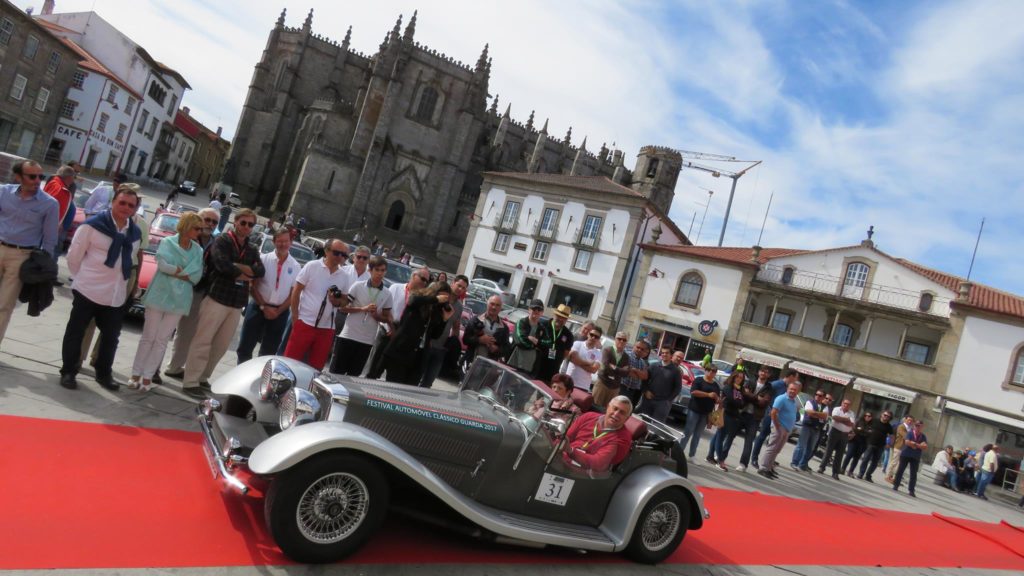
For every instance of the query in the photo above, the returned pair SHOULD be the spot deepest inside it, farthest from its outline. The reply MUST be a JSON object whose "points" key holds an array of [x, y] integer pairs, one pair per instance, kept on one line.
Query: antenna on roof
{"points": [[763, 222], [976, 242]]}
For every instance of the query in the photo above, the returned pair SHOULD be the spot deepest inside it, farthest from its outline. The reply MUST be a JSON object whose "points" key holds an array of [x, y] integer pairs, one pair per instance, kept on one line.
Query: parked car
{"points": [[146, 273], [165, 224], [334, 452], [188, 187], [397, 273], [486, 288], [179, 208], [81, 197], [417, 261], [234, 200]]}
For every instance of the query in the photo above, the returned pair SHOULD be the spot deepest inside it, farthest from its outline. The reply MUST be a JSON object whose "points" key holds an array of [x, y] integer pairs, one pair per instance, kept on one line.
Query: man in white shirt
{"points": [[585, 359], [100, 197], [101, 258], [267, 314], [369, 303], [842, 423], [400, 294], [320, 289]]}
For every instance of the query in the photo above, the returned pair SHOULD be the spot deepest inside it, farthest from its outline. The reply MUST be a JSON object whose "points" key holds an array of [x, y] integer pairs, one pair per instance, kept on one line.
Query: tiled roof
{"points": [[981, 297], [592, 183], [185, 123], [727, 254], [85, 59]]}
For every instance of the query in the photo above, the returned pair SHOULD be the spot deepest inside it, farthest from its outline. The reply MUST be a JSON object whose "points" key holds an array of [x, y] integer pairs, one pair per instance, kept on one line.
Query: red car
{"points": [[81, 197]]}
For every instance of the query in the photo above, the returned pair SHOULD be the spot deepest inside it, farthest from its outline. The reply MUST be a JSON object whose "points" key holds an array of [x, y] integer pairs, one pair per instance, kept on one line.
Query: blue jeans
{"points": [[433, 360], [749, 433], [762, 434], [284, 338], [695, 424], [256, 328], [805, 446], [952, 479], [986, 478], [870, 460], [725, 435]]}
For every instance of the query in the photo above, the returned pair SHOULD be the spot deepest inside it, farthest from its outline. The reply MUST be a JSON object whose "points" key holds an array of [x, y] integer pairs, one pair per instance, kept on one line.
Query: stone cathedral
{"points": [[396, 142]]}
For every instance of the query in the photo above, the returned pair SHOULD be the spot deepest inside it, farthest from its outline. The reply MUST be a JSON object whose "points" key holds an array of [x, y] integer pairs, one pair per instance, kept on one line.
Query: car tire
{"points": [[677, 453], [305, 517], [660, 528]]}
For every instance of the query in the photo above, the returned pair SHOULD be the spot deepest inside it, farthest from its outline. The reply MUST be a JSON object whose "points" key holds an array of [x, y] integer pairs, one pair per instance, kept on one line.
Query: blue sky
{"points": [[908, 116]]}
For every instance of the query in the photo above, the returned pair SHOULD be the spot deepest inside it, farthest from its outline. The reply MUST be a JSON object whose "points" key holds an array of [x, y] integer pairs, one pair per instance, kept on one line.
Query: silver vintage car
{"points": [[339, 452]]}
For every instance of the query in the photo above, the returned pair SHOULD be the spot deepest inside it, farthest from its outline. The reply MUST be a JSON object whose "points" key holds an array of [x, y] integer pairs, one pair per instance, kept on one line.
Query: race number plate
{"points": [[554, 489]]}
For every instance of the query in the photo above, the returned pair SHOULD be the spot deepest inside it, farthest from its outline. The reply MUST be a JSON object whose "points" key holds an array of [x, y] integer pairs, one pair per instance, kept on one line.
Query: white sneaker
{"points": [[741, 468]]}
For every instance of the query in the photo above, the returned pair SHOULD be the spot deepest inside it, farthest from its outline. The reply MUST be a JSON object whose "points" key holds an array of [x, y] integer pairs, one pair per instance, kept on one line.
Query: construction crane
{"points": [[717, 172]]}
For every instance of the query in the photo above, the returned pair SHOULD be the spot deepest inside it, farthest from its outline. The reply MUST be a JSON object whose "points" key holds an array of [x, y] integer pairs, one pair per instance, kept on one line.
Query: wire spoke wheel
{"points": [[332, 508], [661, 526]]}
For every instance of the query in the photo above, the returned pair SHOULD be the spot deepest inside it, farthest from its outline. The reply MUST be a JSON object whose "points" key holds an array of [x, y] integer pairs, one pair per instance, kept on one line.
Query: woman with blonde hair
{"points": [[179, 266]]}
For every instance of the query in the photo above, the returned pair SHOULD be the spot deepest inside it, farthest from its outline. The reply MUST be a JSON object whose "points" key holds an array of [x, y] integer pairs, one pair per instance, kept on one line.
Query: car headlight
{"points": [[277, 379], [298, 407]]}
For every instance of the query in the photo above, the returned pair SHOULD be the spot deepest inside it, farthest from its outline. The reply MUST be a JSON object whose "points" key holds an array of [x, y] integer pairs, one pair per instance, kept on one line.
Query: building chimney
{"points": [[755, 254], [185, 110], [47, 7], [964, 291], [219, 131]]}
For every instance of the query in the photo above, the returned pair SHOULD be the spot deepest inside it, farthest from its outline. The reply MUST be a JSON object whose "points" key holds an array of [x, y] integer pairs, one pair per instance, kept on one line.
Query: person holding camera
{"points": [[423, 320], [319, 291]]}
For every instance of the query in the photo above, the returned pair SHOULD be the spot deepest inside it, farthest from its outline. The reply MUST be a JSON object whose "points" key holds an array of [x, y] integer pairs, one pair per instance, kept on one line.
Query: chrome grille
{"points": [[324, 396]]}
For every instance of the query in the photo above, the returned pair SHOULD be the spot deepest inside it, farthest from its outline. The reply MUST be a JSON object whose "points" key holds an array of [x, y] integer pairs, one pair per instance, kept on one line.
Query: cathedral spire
{"points": [[568, 136], [508, 111], [544, 130], [397, 30], [494, 104], [348, 38], [481, 62], [410, 30], [577, 162], [529, 122], [308, 24], [280, 19]]}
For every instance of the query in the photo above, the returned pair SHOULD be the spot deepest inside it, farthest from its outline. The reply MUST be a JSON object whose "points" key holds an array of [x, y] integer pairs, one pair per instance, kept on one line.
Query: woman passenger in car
{"points": [[562, 387]]}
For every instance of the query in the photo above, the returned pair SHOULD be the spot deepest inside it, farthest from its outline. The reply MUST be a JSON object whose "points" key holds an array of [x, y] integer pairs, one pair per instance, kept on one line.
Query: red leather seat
{"points": [[582, 399], [637, 428]]}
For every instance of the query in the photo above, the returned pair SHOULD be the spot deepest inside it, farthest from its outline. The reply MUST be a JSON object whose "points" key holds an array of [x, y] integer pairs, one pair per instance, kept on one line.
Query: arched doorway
{"points": [[395, 215]]}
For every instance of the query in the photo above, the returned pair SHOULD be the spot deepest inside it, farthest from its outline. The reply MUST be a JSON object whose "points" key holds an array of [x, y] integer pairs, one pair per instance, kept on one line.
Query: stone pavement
{"points": [[30, 359]]}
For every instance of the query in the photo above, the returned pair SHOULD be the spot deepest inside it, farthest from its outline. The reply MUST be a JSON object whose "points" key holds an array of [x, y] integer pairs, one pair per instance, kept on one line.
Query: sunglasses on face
{"points": [[593, 335], [32, 176], [244, 224], [339, 253]]}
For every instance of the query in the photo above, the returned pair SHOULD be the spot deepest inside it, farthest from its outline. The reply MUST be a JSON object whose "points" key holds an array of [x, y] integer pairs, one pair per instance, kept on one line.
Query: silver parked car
{"points": [[340, 452]]}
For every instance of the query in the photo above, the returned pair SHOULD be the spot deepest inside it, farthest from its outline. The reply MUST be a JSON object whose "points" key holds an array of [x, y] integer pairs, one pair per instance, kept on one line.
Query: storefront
{"points": [[753, 360], [970, 427], [818, 378], [662, 334], [879, 397]]}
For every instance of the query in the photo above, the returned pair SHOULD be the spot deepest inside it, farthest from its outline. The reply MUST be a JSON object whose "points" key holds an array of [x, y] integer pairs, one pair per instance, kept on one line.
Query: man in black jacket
{"points": [[487, 334]]}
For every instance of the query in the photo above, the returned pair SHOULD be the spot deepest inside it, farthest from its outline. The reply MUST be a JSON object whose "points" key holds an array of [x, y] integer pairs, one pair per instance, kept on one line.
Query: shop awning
{"points": [[884, 390], [823, 373], [763, 358], [985, 415]]}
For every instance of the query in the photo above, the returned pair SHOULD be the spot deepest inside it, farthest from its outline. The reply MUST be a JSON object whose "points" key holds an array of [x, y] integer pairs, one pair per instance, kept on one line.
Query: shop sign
{"points": [[63, 130], [706, 327]]}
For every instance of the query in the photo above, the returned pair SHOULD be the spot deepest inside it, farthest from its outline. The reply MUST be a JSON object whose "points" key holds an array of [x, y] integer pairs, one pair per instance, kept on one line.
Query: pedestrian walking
{"points": [[910, 456], [735, 398], [899, 437], [319, 291], [101, 260], [269, 310], [775, 389], [179, 267], [29, 218], [232, 263]]}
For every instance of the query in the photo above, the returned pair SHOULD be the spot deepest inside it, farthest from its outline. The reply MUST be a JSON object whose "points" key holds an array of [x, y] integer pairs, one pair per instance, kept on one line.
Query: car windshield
{"points": [[506, 388], [397, 272], [166, 223], [154, 243], [476, 306]]}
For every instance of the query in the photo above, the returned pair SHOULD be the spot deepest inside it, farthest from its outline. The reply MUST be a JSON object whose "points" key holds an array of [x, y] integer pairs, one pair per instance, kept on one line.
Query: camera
{"points": [[335, 292]]}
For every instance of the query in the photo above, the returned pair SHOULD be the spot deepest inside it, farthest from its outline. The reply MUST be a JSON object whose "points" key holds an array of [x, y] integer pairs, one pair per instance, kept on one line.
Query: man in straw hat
{"points": [[562, 338]]}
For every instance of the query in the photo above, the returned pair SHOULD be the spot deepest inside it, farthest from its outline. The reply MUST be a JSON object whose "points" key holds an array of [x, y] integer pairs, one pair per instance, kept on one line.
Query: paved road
{"points": [[30, 358]]}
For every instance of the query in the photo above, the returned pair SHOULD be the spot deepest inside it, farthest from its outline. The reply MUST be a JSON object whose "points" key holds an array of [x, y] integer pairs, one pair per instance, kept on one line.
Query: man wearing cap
{"points": [[531, 334], [551, 358]]}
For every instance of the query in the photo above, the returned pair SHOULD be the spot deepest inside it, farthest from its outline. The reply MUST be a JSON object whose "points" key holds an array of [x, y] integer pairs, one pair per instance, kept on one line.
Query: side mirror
{"points": [[556, 426]]}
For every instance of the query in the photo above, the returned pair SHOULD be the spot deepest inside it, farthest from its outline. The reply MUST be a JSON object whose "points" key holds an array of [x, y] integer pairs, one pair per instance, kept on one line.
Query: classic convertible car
{"points": [[339, 452]]}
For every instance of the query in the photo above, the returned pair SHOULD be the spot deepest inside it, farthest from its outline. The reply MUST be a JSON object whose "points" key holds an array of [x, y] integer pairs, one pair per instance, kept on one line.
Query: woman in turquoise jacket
{"points": [[179, 266]]}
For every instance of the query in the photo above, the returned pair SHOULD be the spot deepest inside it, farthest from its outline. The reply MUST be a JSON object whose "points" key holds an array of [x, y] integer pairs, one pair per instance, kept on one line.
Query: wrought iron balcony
{"points": [[870, 293]]}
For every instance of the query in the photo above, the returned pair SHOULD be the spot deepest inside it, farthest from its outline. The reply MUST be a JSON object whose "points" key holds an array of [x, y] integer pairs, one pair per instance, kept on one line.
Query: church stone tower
{"points": [[655, 175]]}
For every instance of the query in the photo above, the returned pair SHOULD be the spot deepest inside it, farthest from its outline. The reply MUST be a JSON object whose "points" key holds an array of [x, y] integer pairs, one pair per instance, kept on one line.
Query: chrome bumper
{"points": [[220, 463]]}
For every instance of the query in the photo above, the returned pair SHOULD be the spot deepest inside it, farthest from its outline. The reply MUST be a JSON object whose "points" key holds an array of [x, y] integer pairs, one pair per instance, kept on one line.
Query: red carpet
{"points": [[76, 495]]}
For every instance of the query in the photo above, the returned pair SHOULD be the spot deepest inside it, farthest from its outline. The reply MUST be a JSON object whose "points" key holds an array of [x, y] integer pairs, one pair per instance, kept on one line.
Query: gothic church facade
{"points": [[395, 143]]}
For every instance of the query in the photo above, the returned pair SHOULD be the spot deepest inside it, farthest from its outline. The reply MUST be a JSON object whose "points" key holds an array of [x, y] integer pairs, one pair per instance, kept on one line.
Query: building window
{"points": [[426, 105], [152, 128], [510, 217], [31, 47], [18, 87], [915, 352], [548, 223], [157, 92], [856, 279], [591, 230], [540, 251], [501, 243], [121, 129], [787, 275], [174, 103], [582, 260], [578, 300], [142, 122], [41, 99], [54, 62], [925, 304], [104, 118], [6, 30], [652, 167], [67, 109], [79, 80], [843, 335], [690, 287], [781, 321], [1018, 368], [130, 106], [112, 93]]}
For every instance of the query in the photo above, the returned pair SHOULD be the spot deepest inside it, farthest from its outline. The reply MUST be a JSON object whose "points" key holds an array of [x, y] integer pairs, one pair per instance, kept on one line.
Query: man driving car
{"points": [[596, 441]]}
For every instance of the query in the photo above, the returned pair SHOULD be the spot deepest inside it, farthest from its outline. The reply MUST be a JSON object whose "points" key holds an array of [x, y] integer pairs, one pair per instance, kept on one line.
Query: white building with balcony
{"points": [[563, 239]]}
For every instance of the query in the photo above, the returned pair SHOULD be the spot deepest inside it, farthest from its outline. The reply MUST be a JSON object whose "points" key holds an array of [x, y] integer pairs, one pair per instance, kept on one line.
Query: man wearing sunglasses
{"points": [[232, 264], [28, 219]]}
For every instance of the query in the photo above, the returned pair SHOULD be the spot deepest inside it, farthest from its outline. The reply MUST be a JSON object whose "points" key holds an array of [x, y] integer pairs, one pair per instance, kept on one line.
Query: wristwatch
{"points": [[263, 306]]}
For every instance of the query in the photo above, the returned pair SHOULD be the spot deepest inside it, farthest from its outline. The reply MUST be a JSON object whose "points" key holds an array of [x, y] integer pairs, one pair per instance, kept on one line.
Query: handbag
{"points": [[717, 417]]}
